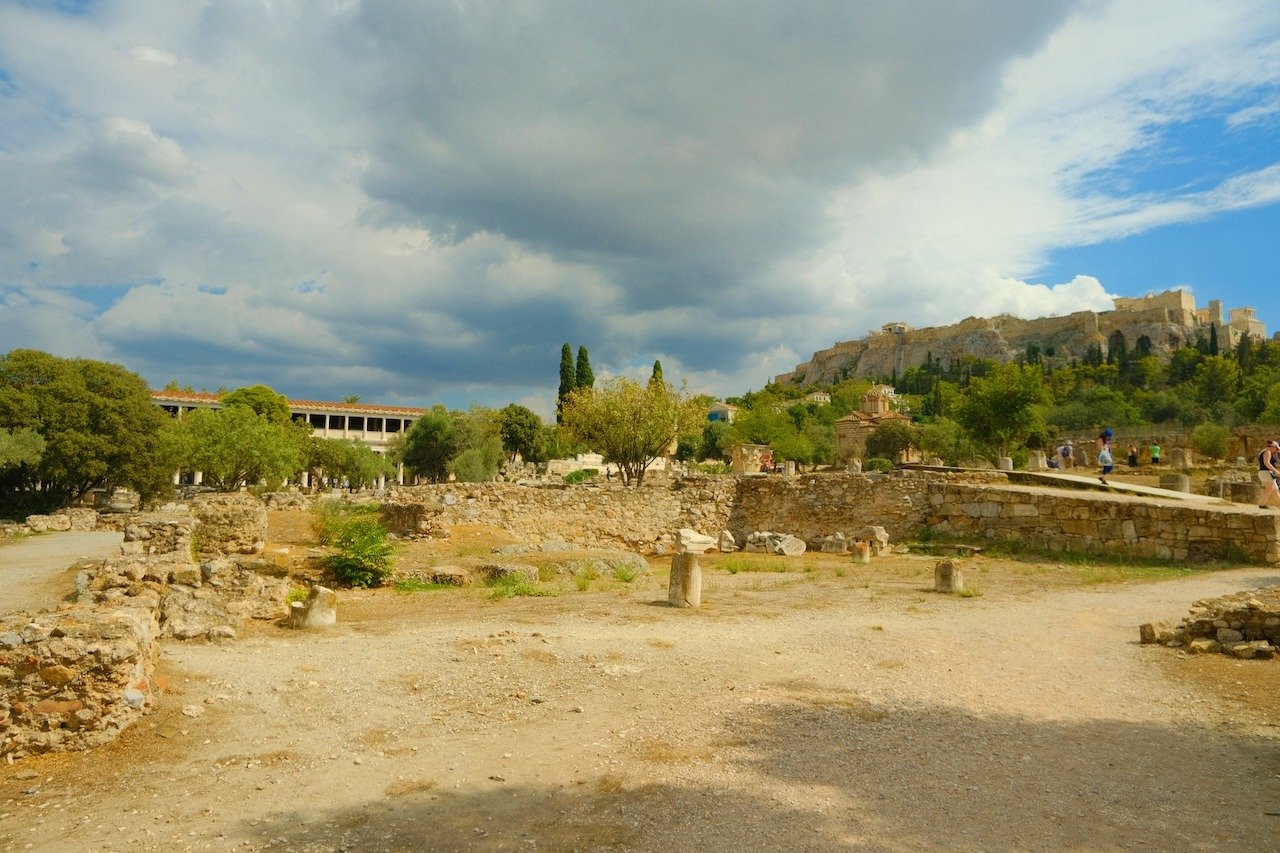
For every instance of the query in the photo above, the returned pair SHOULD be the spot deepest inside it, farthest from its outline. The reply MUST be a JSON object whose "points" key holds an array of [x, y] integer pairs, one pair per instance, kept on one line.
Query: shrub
{"points": [[1211, 440], [875, 464], [364, 554], [574, 477]]}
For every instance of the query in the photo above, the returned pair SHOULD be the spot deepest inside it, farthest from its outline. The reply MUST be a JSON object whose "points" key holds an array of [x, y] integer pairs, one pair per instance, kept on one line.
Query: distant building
{"points": [[875, 408], [821, 398], [374, 425], [721, 413]]}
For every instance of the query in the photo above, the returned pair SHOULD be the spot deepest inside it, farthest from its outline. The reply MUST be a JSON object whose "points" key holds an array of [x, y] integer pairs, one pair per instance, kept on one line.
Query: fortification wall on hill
{"points": [[1169, 320]]}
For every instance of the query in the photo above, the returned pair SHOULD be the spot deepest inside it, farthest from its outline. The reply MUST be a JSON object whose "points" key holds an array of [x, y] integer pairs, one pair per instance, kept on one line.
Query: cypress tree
{"points": [[583, 377], [567, 380], [655, 378], [1213, 339]]}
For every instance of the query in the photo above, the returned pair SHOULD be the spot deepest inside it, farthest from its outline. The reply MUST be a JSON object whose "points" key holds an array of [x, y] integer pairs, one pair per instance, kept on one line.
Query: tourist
{"points": [[1269, 475], [1106, 461], [1104, 438], [1155, 453], [1133, 456], [1069, 455]]}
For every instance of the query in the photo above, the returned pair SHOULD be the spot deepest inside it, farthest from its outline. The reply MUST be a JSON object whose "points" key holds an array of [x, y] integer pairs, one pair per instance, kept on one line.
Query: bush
{"points": [[877, 465], [364, 554], [1211, 440], [575, 477]]}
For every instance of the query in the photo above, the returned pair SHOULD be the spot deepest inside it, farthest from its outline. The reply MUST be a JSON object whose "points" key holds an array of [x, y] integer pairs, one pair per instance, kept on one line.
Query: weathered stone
{"points": [[450, 576], [685, 588], [1229, 635], [57, 674], [493, 572], [320, 610], [728, 544], [1203, 645], [834, 544], [1155, 632], [947, 577], [690, 541], [790, 546], [877, 536], [187, 576]]}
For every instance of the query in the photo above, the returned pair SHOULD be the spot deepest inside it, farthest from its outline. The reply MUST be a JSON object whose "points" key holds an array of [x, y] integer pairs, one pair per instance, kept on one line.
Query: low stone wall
{"points": [[642, 520], [1058, 520], [73, 679], [815, 506]]}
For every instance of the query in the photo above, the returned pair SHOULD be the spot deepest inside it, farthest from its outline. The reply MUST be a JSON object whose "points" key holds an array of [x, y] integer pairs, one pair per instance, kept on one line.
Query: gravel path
{"points": [[789, 713], [33, 572]]}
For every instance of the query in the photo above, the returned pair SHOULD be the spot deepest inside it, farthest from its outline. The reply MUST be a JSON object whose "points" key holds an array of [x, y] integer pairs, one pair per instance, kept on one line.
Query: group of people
{"points": [[1065, 456]]}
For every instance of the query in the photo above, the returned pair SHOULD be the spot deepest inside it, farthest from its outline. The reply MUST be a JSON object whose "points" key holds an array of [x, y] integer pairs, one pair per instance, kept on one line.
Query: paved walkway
{"points": [[33, 571]]}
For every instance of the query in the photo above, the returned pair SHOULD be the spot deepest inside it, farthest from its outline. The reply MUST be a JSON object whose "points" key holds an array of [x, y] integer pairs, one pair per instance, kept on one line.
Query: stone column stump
{"points": [[947, 577], [320, 610], [686, 582], [862, 552], [1175, 482]]}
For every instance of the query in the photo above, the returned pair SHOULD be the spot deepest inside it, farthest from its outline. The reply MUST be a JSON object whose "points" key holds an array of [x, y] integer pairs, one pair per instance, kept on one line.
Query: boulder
{"points": [[834, 544], [493, 572]]}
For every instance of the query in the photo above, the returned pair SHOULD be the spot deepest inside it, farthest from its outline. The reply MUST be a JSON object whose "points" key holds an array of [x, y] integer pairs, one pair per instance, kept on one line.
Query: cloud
{"points": [[421, 202]]}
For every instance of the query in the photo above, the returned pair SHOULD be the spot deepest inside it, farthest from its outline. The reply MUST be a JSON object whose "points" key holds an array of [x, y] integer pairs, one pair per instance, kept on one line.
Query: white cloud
{"points": [[414, 201]]}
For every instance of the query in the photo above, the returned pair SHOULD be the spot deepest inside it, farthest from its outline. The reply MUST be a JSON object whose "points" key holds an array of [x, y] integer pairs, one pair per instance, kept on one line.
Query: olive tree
{"points": [[631, 424]]}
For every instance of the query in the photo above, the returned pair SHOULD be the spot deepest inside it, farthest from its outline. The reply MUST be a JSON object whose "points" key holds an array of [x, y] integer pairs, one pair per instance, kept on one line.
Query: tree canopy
{"points": [[98, 425], [234, 446], [631, 424]]}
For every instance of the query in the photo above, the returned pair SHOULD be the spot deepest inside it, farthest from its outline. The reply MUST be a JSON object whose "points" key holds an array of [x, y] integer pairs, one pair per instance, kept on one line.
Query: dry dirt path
{"points": [[33, 570], [790, 713]]}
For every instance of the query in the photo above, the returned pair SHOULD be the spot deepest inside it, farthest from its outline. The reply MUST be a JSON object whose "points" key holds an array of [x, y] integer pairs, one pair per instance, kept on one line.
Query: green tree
{"points": [[582, 375], [20, 447], [346, 460], [631, 425], [261, 400], [655, 376], [892, 439], [98, 423], [568, 380], [479, 446], [1002, 409], [1216, 379], [520, 429], [431, 444], [234, 446]]}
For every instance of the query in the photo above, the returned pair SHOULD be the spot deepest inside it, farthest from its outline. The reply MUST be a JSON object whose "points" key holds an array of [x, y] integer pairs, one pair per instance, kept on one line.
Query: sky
{"points": [[419, 203]]}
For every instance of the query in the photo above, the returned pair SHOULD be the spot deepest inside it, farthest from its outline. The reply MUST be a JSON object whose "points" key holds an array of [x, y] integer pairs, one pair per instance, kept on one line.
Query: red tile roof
{"points": [[206, 398]]}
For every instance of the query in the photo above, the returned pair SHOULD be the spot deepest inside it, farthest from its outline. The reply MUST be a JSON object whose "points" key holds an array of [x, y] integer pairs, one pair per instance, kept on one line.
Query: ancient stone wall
{"points": [[611, 516], [1056, 520], [230, 524], [73, 679]]}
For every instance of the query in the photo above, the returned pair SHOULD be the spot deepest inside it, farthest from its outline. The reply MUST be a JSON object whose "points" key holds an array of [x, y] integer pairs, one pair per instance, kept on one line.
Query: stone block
{"points": [[727, 542], [947, 577], [690, 541], [320, 610], [685, 587]]}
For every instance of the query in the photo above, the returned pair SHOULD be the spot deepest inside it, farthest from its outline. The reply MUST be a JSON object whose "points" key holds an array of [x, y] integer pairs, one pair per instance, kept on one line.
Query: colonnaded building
{"points": [[374, 425]]}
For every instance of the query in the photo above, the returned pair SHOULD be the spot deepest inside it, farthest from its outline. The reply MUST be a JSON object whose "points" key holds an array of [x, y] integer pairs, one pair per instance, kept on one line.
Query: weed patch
{"points": [[510, 586]]}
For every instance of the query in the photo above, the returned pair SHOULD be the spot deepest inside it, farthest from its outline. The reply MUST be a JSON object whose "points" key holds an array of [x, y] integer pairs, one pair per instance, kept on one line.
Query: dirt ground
{"points": [[811, 704]]}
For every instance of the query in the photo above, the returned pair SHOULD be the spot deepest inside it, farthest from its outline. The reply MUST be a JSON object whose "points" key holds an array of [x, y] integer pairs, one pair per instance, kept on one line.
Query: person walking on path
{"points": [[1155, 453], [1269, 475], [1133, 456], [1106, 461]]}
